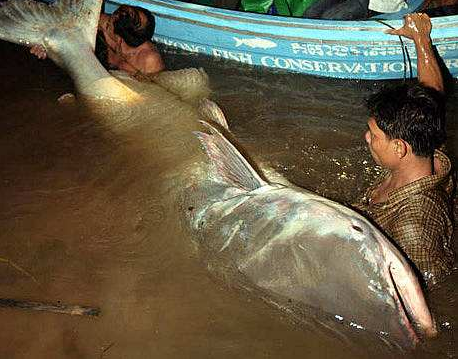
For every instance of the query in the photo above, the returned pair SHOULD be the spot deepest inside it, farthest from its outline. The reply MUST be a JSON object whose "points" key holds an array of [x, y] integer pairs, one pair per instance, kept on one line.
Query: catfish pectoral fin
{"points": [[229, 163]]}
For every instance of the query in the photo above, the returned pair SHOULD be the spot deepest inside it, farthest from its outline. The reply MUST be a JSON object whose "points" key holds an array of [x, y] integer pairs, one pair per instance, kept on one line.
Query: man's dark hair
{"points": [[413, 113], [131, 30]]}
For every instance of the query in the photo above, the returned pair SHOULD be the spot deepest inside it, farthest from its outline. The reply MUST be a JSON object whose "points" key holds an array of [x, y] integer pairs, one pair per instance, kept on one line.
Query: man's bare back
{"points": [[143, 59]]}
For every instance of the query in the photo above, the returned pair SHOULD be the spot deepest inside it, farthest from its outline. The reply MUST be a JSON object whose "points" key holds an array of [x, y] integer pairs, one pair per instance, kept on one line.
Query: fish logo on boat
{"points": [[255, 42]]}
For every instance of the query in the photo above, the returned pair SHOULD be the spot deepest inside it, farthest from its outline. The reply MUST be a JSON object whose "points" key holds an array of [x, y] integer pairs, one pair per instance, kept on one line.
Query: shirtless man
{"points": [[411, 202], [124, 42]]}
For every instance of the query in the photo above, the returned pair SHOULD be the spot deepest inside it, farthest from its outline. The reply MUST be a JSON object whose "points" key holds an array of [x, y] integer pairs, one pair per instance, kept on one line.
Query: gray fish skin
{"points": [[283, 239], [296, 244]]}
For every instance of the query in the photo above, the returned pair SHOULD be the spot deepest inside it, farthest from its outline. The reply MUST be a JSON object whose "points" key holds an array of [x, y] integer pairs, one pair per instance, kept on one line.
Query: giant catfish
{"points": [[283, 240]]}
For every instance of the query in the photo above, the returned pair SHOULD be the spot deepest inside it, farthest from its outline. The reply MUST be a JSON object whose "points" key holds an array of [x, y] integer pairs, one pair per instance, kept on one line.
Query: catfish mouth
{"points": [[414, 313], [406, 317]]}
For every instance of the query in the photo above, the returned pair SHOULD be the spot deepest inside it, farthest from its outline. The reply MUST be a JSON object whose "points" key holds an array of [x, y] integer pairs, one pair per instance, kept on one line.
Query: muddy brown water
{"points": [[82, 222]]}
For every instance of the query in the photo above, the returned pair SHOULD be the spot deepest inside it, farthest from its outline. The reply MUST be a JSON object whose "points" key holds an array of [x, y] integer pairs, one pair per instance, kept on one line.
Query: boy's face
{"points": [[383, 149]]}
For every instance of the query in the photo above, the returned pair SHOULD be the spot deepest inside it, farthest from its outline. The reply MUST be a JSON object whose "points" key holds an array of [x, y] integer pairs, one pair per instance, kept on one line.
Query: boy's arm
{"points": [[418, 28]]}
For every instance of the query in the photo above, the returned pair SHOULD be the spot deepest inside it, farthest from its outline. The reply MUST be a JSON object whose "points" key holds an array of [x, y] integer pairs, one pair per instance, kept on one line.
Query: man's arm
{"points": [[418, 28]]}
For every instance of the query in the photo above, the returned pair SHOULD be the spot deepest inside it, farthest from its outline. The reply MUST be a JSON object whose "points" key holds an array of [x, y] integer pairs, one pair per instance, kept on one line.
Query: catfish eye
{"points": [[356, 228]]}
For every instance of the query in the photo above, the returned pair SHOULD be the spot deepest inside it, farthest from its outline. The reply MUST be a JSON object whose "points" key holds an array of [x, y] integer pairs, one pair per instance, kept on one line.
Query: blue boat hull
{"points": [[338, 49]]}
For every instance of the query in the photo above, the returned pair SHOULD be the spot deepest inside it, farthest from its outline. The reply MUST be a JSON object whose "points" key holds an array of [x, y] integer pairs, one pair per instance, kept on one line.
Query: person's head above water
{"points": [[134, 24], [408, 117]]}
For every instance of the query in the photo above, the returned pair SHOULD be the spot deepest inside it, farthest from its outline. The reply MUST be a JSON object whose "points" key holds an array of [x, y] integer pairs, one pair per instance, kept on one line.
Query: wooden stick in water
{"points": [[49, 307]]}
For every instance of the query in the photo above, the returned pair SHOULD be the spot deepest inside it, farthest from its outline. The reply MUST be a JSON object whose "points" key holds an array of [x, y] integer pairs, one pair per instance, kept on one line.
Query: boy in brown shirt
{"points": [[411, 202]]}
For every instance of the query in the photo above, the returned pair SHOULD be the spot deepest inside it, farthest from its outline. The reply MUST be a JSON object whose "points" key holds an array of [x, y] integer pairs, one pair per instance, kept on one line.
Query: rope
{"points": [[405, 52]]}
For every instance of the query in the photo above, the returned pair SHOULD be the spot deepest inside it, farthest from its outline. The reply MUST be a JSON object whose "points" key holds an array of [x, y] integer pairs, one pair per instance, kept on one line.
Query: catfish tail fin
{"points": [[67, 30], [29, 22], [229, 163]]}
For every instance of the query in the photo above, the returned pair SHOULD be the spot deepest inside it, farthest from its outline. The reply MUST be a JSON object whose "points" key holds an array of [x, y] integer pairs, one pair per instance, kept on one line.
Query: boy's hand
{"points": [[39, 51], [416, 26]]}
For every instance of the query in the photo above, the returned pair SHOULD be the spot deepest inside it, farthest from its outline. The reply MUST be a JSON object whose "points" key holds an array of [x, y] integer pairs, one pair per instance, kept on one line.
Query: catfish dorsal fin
{"points": [[229, 163], [209, 110]]}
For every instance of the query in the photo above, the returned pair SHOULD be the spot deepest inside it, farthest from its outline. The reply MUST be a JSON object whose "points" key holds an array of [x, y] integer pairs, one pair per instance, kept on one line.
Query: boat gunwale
{"points": [[288, 22], [394, 42]]}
